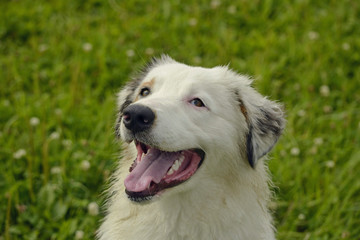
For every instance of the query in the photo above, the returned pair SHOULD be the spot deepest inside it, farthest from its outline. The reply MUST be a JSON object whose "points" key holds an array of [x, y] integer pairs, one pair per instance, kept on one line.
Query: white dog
{"points": [[193, 159]]}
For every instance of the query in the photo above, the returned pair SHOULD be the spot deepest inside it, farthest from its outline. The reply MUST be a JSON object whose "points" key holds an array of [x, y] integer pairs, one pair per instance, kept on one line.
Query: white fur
{"points": [[226, 198]]}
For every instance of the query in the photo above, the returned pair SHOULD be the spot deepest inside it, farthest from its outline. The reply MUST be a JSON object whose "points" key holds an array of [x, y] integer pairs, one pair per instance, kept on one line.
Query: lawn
{"points": [[62, 62]]}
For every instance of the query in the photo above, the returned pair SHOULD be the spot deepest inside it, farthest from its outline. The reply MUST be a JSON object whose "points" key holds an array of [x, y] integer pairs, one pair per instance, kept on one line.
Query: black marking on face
{"points": [[147, 67], [130, 87], [117, 128], [154, 61], [125, 104], [134, 84]]}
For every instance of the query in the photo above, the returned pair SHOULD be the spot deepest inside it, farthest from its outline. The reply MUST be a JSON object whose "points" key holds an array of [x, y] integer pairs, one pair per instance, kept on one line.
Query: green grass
{"points": [[61, 62]]}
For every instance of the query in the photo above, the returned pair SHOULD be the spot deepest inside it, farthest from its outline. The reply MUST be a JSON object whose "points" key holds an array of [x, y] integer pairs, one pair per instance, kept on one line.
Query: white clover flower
{"points": [[314, 150], [297, 86], [197, 60], [301, 216], [130, 53], [295, 151], [84, 142], [93, 209], [330, 164], [55, 170], [43, 47], [6, 102], [345, 234], [324, 90], [346, 46], [34, 121], [78, 155], [283, 153], [87, 47], [19, 153], [149, 51], [54, 136], [231, 9], [327, 109], [313, 35], [66, 143], [193, 22], [324, 75], [318, 141], [79, 234], [215, 4], [85, 165], [42, 74], [58, 112], [301, 113], [21, 207]]}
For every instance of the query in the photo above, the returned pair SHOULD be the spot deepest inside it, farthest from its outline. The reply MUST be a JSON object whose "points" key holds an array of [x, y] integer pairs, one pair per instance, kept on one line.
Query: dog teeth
{"points": [[176, 165], [171, 171]]}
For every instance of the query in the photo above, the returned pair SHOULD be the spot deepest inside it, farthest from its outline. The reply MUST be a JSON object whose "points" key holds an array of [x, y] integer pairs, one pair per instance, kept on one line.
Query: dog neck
{"points": [[222, 211]]}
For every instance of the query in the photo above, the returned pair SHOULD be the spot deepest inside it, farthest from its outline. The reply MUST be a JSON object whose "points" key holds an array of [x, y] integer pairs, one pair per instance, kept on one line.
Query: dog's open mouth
{"points": [[154, 170]]}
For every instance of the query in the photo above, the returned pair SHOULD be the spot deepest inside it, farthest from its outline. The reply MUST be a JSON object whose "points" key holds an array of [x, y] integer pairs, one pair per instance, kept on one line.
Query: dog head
{"points": [[179, 117]]}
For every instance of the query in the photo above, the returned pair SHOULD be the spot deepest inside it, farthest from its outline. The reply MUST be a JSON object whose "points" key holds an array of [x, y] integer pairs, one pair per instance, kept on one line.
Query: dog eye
{"points": [[197, 102], [144, 92]]}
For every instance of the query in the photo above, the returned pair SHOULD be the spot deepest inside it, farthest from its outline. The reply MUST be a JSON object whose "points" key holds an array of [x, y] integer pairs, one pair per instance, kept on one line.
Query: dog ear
{"points": [[266, 122]]}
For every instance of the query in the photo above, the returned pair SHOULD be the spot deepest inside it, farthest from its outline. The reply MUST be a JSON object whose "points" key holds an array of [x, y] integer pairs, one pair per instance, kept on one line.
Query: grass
{"points": [[62, 62]]}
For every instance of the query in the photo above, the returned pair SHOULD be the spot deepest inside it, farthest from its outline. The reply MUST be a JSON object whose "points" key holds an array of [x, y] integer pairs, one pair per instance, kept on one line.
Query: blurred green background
{"points": [[62, 62]]}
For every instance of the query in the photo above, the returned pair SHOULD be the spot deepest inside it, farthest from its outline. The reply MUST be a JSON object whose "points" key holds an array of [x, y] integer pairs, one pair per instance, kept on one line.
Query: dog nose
{"points": [[138, 118]]}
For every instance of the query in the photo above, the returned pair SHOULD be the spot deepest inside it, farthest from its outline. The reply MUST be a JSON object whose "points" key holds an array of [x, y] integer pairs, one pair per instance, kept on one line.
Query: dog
{"points": [[193, 164]]}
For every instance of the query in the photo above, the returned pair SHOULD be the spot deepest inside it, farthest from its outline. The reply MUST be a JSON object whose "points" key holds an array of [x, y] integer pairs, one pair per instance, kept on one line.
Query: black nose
{"points": [[138, 118]]}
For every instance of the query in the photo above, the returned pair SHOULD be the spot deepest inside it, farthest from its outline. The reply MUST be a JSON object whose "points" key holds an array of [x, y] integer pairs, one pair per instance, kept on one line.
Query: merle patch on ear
{"points": [[265, 127]]}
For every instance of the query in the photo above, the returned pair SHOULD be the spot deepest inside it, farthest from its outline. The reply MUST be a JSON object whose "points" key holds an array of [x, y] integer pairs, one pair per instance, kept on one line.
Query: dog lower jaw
{"points": [[140, 199]]}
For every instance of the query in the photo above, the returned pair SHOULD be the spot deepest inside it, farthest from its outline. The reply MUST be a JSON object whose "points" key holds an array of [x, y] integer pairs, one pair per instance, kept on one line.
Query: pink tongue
{"points": [[152, 168]]}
